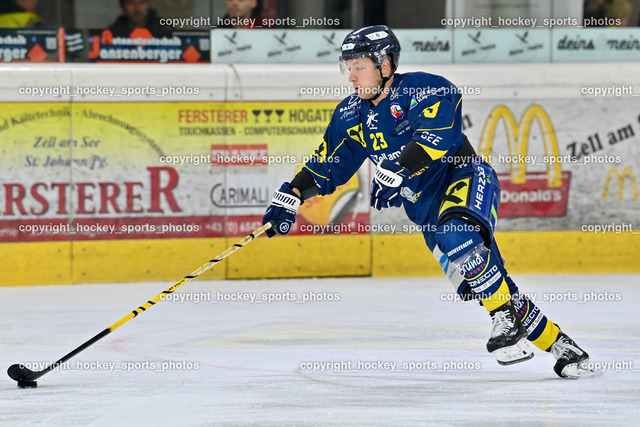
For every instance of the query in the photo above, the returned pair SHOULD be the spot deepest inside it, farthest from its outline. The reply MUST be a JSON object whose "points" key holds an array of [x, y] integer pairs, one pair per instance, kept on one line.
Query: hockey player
{"points": [[410, 126]]}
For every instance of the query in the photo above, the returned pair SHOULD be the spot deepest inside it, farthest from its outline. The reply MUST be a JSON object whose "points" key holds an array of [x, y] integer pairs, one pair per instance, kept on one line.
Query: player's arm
{"points": [[332, 164]]}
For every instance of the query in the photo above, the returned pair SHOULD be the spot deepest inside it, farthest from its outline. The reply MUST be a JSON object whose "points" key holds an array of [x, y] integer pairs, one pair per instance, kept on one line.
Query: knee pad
{"points": [[454, 238], [471, 263]]}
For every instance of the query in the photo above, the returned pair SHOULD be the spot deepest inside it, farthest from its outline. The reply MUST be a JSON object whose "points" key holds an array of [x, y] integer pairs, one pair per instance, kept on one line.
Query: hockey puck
{"points": [[27, 384]]}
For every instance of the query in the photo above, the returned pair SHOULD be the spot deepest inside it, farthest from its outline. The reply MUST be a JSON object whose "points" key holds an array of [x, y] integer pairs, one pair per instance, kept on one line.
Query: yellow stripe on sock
{"points": [[499, 298], [547, 337]]}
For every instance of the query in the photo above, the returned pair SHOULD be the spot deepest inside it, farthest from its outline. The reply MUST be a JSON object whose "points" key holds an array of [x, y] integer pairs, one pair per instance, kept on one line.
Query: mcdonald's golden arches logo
{"points": [[518, 140], [527, 194], [621, 178]]}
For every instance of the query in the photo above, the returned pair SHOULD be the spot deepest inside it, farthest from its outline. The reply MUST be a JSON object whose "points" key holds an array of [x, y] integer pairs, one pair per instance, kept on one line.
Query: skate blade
{"points": [[575, 372], [517, 353]]}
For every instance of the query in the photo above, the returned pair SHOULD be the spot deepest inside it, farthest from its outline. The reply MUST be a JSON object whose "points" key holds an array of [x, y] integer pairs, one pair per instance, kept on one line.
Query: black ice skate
{"points": [[508, 342], [572, 361]]}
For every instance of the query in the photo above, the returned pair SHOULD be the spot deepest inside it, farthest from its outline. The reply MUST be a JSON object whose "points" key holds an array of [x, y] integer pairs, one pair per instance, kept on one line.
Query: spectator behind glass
{"points": [[618, 9], [241, 14], [19, 14], [593, 12], [138, 14]]}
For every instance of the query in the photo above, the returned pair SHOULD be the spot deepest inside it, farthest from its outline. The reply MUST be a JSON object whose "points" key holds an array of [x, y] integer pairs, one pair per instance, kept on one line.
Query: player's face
{"points": [[364, 76]]}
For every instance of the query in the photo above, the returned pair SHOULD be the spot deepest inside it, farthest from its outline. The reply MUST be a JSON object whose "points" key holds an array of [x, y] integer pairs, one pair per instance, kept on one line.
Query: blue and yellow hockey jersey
{"points": [[422, 107]]}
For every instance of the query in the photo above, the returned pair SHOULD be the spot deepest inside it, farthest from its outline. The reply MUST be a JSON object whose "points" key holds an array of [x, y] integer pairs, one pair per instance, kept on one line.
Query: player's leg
{"points": [[465, 224], [469, 254], [480, 272], [571, 360], [540, 330]]}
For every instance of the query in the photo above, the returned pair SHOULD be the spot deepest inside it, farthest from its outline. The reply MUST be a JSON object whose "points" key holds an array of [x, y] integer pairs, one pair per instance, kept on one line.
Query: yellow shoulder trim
{"points": [[454, 119]]}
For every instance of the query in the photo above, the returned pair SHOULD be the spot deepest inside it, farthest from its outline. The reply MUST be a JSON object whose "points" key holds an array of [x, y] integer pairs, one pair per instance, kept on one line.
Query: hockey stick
{"points": [[26, 377]]}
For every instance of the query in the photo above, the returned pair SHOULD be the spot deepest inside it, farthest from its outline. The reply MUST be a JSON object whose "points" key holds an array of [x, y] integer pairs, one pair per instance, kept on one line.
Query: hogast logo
{"points": [[533, 194]]}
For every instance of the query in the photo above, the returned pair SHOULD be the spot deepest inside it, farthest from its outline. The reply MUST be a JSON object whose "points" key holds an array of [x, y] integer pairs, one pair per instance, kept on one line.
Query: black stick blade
{"points": [[21, 373]]}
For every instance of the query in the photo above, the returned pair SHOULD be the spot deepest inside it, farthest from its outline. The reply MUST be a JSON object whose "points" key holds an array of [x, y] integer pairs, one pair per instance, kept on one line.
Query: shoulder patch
{"points": [[431, 112]]}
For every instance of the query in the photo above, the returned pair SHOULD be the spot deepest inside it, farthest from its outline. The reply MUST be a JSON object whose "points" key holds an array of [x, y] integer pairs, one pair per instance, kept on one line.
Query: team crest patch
{"points": [[396, 111]]}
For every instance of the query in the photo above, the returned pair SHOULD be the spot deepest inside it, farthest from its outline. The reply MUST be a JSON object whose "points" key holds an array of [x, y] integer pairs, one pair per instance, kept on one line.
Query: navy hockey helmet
{"points": [[375, 42]]}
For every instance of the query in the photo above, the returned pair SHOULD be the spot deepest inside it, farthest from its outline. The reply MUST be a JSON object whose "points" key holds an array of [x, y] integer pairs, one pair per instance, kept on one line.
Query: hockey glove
{"points": [[282, 210], [385, 189]]}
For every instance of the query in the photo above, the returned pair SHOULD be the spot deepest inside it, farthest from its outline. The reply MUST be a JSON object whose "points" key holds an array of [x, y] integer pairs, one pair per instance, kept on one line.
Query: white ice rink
{"points": [[243, 363]]}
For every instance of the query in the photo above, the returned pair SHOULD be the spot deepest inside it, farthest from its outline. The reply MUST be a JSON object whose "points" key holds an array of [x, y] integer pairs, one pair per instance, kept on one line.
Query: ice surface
{"points": [[243, 363]]}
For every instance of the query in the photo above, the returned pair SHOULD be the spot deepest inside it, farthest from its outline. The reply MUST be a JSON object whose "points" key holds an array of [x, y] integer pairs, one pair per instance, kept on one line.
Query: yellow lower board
{"points": [[52, 263], [303, 256], [145, 260], [41, 263], [45, 263], [525, 252], [108, 261]]}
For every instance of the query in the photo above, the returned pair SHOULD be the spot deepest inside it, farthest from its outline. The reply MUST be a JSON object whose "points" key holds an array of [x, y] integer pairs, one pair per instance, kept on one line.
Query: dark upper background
{"points": [[351, 13]]}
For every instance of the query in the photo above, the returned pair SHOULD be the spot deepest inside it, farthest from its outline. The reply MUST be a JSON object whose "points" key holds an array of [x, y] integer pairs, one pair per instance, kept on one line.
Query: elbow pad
{"points": [[304, 182], [414, 158]]}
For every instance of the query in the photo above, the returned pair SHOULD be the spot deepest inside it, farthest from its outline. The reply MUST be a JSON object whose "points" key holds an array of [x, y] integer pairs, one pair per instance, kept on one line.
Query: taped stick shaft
{"points": [[24, 373], [190, 277]]}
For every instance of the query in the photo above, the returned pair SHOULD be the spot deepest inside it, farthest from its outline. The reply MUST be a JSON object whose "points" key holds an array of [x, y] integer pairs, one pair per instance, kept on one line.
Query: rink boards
{"points": [[127, 173]]}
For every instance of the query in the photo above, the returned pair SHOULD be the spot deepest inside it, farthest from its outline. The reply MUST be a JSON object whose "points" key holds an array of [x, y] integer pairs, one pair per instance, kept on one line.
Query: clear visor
{"points": [[358, 65]]}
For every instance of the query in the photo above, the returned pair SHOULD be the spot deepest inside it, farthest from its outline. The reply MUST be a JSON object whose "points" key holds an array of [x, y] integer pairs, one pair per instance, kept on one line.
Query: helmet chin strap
{"points": [[384, 83]]}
